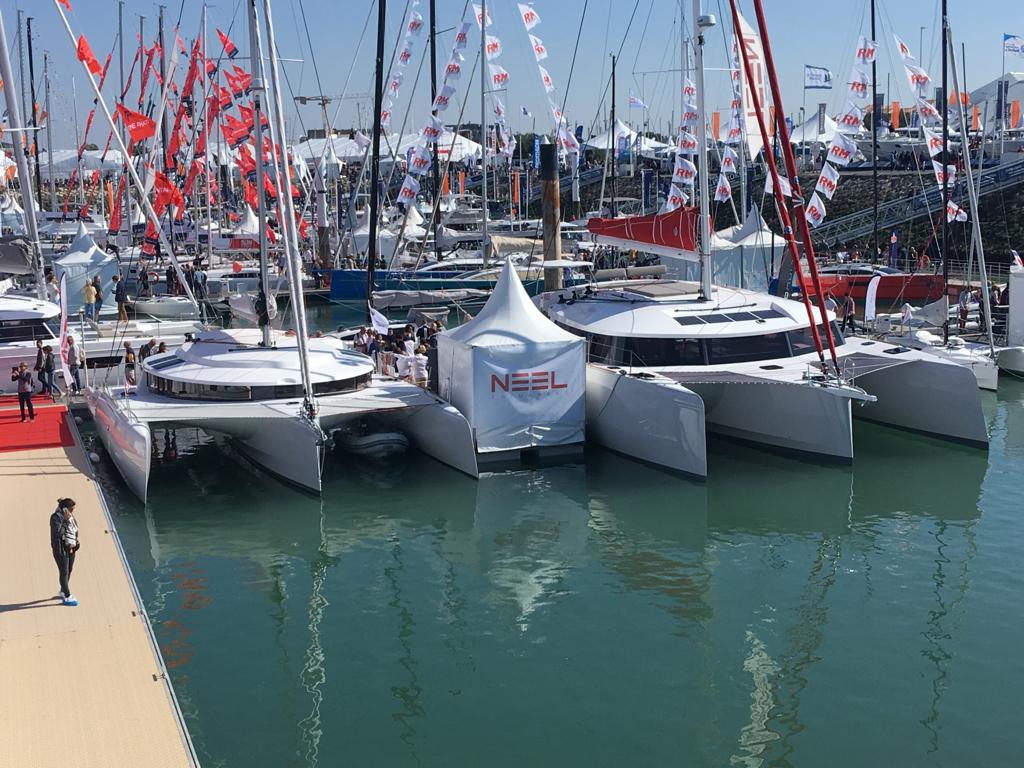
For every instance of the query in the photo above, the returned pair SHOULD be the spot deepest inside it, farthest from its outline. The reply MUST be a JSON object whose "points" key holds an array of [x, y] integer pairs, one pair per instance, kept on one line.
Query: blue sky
{"points": [[818, 32]]}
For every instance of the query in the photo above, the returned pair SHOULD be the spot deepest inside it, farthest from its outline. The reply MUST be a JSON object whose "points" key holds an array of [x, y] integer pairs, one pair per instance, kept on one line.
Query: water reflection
{"points": [[745, 570]]}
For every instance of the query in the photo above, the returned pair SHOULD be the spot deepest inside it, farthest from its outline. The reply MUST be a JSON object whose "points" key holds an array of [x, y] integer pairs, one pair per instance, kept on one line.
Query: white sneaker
{"points": [[70, 600]]}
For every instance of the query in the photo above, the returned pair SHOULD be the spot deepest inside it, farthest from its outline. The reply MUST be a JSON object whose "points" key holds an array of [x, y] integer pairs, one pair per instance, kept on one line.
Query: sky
{"points": [[335, 39]]}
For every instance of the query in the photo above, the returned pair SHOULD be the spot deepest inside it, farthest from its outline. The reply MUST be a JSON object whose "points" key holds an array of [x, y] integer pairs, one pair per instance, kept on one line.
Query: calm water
{"points": [[781, 614]]}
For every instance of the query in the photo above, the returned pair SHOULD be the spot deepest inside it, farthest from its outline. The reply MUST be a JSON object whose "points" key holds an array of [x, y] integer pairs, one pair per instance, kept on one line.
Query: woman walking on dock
{"points": [[23, 376], [64, 544]]}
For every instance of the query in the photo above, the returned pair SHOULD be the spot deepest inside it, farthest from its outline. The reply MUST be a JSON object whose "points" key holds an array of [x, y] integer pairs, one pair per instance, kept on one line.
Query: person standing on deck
{"points": [[64, 544], [99, 296], [129, 364], [38, 367], [849, 311], [74, 362], [964, 303], [23, 376], [121, 297], [49, 370], [89, 300]]}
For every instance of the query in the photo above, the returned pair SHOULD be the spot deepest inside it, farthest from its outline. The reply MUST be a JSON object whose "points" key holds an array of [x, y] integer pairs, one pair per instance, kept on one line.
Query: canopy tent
{"points": [[610, 139], [449, 144], [807, 132], [12, 217], [741, 255], [65, 161], [82, 261], [517, 377]]}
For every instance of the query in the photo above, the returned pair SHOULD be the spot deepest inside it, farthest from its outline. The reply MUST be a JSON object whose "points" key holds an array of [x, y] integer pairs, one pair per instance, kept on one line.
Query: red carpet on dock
{"points": [[49, 430]]}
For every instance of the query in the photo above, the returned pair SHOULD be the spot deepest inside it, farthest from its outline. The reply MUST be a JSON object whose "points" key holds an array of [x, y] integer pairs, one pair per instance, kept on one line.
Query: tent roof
{"points": [[248, 224], [607, 140], [509, 317], [83, 250], [808, 131]]}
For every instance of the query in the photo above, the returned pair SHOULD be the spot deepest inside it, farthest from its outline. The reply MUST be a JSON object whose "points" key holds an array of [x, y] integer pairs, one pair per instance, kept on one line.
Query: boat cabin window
{"points": [[194, 391], [801, 342], [26, 330], [741, 349]]}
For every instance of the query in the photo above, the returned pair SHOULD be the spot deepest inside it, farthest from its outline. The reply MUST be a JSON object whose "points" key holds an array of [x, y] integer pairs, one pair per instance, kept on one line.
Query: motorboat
{"points": [[895, 285], [751, 360], [227, 383], [24, 320], [164, 306], [973, 355], [377, 443]]}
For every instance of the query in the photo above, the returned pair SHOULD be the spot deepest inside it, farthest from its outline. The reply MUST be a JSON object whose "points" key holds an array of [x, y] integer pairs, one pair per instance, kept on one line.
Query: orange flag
{"points": [[85, 55], [65, 3]]}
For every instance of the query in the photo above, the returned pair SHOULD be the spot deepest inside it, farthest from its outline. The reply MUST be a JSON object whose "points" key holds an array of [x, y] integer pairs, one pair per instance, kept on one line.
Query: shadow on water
{"points": [[506, 550]]}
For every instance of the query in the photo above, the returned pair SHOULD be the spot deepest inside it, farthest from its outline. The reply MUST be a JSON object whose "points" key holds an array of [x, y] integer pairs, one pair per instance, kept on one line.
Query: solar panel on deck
{"points": [[689, 320]]}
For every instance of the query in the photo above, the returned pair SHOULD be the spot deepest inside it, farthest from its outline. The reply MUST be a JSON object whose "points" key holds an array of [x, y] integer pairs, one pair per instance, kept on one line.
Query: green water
{"points": [[601, 614]]}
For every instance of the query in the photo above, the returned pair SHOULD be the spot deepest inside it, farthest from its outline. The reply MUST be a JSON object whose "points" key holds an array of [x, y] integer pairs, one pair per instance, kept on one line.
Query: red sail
{"points": [[673, 231]]}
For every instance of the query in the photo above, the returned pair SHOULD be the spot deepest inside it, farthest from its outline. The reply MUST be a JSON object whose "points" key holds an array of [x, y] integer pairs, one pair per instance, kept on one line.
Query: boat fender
{"points": [[94, 457]]}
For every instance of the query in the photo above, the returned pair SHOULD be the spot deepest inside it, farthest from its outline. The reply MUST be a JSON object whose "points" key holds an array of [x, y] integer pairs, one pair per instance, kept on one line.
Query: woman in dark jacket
{"points": [[64, 545]]}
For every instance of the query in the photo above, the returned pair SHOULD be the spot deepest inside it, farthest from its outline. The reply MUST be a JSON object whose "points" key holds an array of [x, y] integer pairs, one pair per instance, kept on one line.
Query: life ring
{"points": [[154, 276]]}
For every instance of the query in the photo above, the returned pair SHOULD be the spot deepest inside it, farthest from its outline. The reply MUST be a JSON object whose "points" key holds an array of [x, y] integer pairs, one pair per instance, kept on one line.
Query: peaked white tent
{"points": [[807, 131], [82, 261], [741, 255], [610, 138], [517, 377]]}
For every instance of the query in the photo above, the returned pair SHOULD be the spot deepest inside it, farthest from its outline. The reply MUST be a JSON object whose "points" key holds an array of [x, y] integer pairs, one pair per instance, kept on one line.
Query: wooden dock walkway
{"points": [[82, 686]]}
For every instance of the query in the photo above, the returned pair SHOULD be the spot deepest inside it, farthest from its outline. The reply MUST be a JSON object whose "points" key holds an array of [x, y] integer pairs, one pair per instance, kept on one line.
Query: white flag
{"points": [[433, 129], [866, 50], [443, 98], [410, 188], [379, 322], [929, 114], [385, 113], [690, 114], [492, 47], [815, 211], [687, 143], [676, 199], [499, 110], [784, 185], [549, 84], [815, 77], [556, 112], [566, 140], [859, 84], [919, 79], [478, 13], [955, 213], [827, 181], [420, 160], [944, 174], [841, 150], [722, 191], [734, 131], [689, 89], [685, 172], [529, 16], [453, 70], [729, 160], [361, 139], [903, 49], [539, 51], [934, 142], [752, 44], [499, 77], [462, 36], [1013, 45], [415, 25], [852, 120]]}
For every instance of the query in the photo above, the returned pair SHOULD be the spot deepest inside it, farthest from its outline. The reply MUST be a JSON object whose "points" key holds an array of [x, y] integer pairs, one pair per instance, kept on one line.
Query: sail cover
{"points": [[674, 233], [15, 256]]}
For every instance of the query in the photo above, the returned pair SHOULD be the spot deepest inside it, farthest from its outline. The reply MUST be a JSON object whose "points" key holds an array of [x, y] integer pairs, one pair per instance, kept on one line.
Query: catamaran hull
{"points": [[128, 441], [1011, 360], [647, 417], [803, 418], [931, 396]]}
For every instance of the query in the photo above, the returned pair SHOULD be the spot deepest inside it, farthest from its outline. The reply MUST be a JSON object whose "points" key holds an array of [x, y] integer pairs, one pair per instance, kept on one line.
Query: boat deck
{"points": [[83, 686]]}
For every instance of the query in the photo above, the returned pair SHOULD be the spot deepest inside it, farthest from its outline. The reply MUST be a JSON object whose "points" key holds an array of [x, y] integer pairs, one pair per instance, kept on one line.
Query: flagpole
{"points": [[945, 163], [1003, 93], [483, 121], [803, 123], [875, 115]]}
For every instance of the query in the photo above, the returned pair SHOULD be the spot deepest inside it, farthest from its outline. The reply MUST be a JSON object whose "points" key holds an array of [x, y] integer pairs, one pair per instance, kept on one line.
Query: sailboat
{"points": [[751, 357], [275, 395]]}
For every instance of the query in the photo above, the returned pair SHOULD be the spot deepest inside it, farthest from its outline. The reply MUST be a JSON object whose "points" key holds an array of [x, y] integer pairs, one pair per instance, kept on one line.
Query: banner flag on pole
{"points": [[817, 77]]}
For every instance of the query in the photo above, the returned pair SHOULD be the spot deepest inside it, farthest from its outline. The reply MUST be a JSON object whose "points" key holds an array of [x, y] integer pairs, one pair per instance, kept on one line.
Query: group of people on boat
{"points": [[400, 352]]}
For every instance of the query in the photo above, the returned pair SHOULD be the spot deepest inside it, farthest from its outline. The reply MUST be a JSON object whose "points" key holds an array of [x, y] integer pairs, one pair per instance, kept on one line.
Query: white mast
{"points": [[49, 132], [700, 24], [24, 180], [483, 117]]}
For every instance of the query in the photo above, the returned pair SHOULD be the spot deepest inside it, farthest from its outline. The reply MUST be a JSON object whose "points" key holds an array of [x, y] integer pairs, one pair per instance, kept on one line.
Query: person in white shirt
{"points": [[830, 303]]}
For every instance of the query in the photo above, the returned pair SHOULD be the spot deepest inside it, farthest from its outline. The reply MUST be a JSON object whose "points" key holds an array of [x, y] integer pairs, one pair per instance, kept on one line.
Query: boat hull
{"points": [[1011, 360], [648, 417], [128, 441], [891, 288]]}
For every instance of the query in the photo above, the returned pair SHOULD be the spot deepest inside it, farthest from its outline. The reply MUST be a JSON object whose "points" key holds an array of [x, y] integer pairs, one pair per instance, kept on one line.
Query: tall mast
{"points": [[378, 93], [49, 132], [24, 180], [434, 215], [78, 143], [483, 117], [206, 153], [614, 147], [126, 219], [30, 121], [286, 210], [258, 89], [876, 117], [164, 130], [21, 64], [702, 162], [945, 159]]}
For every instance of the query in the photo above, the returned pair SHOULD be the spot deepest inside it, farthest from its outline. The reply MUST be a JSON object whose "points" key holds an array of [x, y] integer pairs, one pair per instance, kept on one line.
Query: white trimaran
{"points": [[275, 395], [668, 354]]}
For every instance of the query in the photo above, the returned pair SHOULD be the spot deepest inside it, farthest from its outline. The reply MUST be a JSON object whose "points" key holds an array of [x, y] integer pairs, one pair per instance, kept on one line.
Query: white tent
{"points": [[65, 161], [741, 255], [82, 261], [456, 145], [247, 226], [808, 131], [12, 217], [986, 99], [517, 377], [610, 139]]}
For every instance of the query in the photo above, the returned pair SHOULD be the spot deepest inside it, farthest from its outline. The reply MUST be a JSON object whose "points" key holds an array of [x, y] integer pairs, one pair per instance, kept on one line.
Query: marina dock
{"points": [[85, 685]]}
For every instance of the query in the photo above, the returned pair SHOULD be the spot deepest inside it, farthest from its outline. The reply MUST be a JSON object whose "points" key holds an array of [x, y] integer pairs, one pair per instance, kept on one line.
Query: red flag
{"points": [[250, 195], [229, 48], [268, 187], [139, 126], [115, 215], [271, 235], [166, 193], [85, 55], [65, 3]]}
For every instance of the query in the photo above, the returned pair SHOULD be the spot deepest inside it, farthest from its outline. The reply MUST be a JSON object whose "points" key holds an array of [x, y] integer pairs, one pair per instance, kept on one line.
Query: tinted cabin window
{"points": [[801, 342], [742, 349]]}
